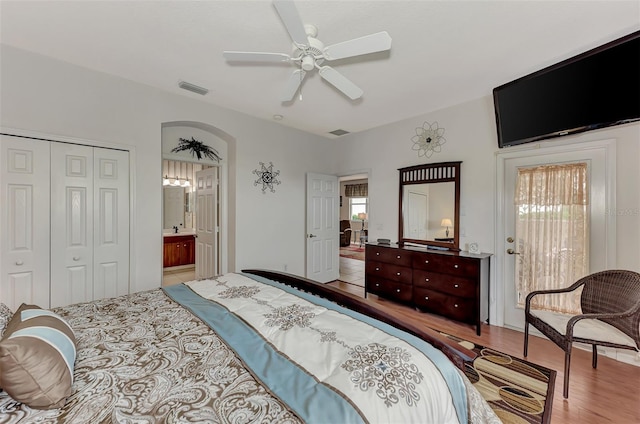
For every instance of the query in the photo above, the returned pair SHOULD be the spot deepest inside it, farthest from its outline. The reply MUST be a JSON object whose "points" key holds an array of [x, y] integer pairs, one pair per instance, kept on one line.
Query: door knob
{"points": [[19, 263], [510, 240], [76, 258], [312, 235], [512, 252]]}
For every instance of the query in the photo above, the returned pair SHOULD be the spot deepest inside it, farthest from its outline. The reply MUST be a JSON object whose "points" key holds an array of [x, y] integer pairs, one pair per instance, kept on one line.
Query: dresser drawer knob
{"points": [[426, 298], [397, 273], [426, 262], [455, 285], [398, 257], [377, 253], [426, 279], [456, 305], [377, 269], [398, 290], [455, 266], [377, 284]]}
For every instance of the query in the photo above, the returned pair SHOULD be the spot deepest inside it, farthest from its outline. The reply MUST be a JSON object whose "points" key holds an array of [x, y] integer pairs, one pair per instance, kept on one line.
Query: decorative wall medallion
{"points": [[198, 149], [428, 139], [267, 177]]}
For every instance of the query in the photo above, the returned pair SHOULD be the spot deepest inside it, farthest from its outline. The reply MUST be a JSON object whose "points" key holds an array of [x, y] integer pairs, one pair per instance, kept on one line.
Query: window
{"points": [[552, 230], [357, 205]]}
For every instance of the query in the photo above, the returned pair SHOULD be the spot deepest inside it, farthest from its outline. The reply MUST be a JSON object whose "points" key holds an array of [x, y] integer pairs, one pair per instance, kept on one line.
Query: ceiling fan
{"points": [[309, 53]]}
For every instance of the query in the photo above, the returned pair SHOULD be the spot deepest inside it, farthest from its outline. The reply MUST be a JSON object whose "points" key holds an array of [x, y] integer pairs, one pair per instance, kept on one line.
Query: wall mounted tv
{"points": [[595, 89]]}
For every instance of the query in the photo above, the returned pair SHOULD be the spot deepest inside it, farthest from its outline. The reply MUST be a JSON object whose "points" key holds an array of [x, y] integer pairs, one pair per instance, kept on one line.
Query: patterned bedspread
{"points": [[143, 358]]}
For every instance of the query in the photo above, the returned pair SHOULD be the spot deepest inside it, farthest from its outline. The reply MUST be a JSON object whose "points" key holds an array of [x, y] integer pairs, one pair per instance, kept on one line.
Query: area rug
{"points": [[518, 391], [353, 251]]}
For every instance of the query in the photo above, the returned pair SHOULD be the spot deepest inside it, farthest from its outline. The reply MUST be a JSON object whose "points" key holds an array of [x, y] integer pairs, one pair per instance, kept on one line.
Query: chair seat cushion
{"points": [[592, 329]]}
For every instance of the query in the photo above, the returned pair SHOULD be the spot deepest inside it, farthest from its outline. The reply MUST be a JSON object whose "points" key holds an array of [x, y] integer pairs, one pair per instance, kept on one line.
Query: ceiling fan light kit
{"points": [[309, 53]]}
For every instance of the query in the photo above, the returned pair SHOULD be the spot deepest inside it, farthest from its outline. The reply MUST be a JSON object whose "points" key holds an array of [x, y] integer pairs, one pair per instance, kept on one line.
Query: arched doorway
{"points": [[184, 166]]}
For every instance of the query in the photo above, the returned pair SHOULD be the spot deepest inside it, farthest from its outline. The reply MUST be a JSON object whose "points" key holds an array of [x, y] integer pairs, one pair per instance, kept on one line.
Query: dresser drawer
{"points": [[457, 286], [399, 274], [460, 309], [388, 255], [445, 264], [389, 289]]}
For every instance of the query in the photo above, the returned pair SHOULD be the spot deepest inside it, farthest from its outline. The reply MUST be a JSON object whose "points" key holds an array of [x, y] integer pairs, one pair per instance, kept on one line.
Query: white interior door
{"points": [[207, 223], [24, 221], [111, 223], [602, 230], [323, 230], [90, 223], [418, 215], [72, 224]]}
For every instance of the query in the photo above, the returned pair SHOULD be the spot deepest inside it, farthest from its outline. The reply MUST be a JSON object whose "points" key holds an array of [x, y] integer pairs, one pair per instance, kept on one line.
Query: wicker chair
{"points": [[610, 303]]}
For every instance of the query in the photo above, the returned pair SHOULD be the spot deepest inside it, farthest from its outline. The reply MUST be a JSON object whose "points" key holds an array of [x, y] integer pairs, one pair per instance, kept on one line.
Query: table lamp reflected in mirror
{"points": [[446, 222]]}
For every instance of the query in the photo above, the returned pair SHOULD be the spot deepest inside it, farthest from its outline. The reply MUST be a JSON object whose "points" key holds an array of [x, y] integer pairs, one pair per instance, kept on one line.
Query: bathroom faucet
{"points": [[175, 229]]}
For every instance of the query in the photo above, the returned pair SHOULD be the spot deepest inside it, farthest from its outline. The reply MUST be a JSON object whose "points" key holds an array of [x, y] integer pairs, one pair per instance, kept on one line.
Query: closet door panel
{"points": [[111, 223], [72, 223], [24, 221]]}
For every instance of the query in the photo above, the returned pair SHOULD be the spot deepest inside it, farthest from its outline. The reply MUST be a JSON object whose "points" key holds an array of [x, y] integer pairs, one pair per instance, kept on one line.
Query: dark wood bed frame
{"points": [[455, 352]]}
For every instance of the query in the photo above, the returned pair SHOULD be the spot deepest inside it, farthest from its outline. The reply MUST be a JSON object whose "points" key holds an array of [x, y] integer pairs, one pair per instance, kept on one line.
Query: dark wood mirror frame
{"points": [[426, 174]]}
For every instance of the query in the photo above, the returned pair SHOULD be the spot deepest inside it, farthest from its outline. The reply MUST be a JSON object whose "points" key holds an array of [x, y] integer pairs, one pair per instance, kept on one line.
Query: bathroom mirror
{"points": [[176, 206], [429, 209]]}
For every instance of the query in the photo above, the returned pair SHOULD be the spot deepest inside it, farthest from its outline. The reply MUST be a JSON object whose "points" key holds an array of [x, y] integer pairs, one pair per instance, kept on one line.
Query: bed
{"points": [[257, 346]]}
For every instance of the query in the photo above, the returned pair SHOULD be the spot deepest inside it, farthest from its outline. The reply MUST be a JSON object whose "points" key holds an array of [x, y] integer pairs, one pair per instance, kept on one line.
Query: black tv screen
{"points": [[595, 89]]}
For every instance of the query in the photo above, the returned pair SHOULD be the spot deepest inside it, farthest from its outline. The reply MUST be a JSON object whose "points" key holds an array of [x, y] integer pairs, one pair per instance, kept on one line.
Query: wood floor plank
{"points": [[608, 394]]}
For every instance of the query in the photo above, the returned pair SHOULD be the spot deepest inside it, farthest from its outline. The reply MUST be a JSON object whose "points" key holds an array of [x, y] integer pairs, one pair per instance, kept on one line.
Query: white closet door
{"points": [[24, 221], [111, 223], [71, 224]]}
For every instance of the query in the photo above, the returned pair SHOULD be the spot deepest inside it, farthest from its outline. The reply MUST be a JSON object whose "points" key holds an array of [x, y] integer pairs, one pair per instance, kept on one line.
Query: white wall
{"points": [[55, 98]]}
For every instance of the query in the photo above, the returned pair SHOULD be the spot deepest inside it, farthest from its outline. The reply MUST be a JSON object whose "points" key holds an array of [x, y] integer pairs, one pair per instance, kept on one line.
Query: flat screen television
{"points": [[596, 89]]}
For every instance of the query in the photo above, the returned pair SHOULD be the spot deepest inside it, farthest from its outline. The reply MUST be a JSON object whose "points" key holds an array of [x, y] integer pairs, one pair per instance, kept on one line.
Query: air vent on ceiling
{"points": [[338, 132], [192, 87]]}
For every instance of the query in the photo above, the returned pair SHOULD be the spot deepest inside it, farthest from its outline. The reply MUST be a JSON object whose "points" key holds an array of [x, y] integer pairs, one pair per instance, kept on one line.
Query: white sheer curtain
{"points": [[552, 231]]}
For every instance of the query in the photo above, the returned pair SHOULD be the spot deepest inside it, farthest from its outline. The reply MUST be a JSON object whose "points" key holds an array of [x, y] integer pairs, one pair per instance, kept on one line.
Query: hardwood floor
{"points": [[608, 394]]}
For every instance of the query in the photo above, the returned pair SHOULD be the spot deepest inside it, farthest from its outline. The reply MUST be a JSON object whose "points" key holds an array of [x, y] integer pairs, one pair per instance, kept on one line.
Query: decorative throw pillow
{"points": [[5, 317], [37, 355]]}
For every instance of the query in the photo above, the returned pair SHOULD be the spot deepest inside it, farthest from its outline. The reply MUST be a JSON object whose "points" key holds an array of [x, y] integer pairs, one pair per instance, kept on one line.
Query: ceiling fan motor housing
{"points": [[311, 54]]}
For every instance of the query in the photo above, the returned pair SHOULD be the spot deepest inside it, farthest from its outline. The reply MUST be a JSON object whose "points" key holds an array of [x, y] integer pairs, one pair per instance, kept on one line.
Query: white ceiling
{"points": [[443, 52]]}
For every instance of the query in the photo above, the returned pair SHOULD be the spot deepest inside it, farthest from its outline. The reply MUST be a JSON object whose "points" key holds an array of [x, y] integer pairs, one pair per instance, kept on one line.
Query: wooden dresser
{"points": [[451, 284]]}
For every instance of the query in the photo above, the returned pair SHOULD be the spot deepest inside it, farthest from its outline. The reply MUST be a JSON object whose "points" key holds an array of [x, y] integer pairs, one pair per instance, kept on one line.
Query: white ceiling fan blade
{"points": [[372, 43], [340, 82], [291, 19], [256, 56], [294, 82]]}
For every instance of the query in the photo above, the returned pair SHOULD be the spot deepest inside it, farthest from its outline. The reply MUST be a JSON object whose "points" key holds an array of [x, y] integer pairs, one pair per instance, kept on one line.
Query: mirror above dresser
{"points": [[429, 208]]}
